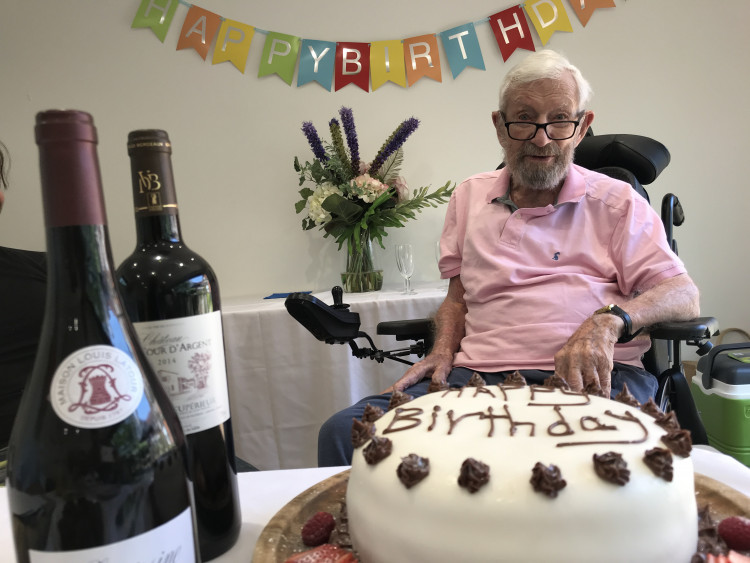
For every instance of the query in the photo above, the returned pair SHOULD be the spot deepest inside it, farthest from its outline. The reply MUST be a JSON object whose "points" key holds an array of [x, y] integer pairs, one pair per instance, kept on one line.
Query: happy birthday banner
{"points": [[401, 61]]}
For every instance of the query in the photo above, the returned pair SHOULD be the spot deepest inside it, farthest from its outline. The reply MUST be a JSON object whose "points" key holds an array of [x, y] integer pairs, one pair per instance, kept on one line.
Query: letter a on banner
{"points": [[156, 14], [461, 46], [584, 9], [233, 43], [353, 65], [279, 56], [548, 16], [387, 63], [316, 63], [511, 31], [422, 58], [199, 30]]}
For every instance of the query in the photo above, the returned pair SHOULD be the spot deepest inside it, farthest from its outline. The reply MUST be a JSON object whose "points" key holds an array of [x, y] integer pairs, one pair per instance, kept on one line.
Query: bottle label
{"points": [[96, 386], [171, 542], [187, 355]]}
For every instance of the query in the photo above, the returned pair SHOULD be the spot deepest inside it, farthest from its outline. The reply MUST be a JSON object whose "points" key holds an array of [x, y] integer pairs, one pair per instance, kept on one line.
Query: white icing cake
{"points": [[510, 429]]}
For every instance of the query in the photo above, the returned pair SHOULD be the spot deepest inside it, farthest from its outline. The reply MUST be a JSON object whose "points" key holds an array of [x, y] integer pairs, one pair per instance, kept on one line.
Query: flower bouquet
{"points": [[354, 201]]}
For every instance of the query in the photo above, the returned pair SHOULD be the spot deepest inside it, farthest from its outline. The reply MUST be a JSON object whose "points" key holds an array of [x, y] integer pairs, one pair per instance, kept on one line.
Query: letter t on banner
{"points": [[548, 16], [199, 30], [316, 63], [511, 31], [462, 48], [279, 56], [353, 65], [584, 9], [156, 14], [233, 43]]}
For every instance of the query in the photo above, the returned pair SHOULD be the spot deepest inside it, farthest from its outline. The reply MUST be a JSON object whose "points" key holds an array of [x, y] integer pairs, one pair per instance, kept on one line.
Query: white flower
{"points": [[315, 203], [402, 189]]}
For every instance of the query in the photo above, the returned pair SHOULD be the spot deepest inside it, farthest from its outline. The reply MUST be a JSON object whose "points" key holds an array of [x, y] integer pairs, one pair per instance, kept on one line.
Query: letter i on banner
{"points": [[548, 16], [422, 58], [233, 43], [511, 31], [584, 9], [461, 47], [279, 56], [156, 14], [387, 63], [316, 63], [199, 30], [353, 65]]}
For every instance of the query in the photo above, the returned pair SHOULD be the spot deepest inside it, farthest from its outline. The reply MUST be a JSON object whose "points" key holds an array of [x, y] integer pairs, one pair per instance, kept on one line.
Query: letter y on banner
{"points": [[279, 56], [548, 16], [199, 30], [511, 31], [316, 63], [353, 65], [156, 14]]}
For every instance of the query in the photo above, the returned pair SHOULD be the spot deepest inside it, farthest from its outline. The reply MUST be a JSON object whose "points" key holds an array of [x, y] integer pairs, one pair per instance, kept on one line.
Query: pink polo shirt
{"points": [[533, 275]]}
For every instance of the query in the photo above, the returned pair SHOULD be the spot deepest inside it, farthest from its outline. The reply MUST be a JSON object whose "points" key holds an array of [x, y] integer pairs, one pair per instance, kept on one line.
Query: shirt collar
{"points": [[573, 188]]}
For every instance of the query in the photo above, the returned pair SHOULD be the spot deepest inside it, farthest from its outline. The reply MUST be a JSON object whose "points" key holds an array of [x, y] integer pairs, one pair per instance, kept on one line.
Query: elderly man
{"points": [[553, 268]]}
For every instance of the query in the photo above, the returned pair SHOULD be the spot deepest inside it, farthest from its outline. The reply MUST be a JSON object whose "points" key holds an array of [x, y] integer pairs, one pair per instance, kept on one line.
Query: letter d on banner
{"points": [[353, 65]]}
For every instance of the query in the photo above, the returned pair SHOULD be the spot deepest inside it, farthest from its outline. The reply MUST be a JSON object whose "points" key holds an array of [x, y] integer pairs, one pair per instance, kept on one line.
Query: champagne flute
{"points": [[405, 263]]}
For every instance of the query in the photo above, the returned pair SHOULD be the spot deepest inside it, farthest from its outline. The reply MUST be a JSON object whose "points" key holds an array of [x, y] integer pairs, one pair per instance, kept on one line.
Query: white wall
{"points": [[675, 70]]}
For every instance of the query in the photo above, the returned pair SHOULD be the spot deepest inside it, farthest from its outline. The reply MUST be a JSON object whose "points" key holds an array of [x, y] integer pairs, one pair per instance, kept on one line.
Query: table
{"points": [[264, 493], [284, 383]]}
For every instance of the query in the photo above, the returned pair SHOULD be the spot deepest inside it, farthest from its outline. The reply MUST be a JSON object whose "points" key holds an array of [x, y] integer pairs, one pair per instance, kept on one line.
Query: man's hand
{"points": [[434, 365], [587, 356]]}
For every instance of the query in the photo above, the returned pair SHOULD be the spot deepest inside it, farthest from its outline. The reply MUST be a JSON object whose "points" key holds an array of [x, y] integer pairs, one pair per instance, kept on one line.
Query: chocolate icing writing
{"points": [[547, 480], [377, 450], [679, 442], [407, 416], [453, 422], [474, 474], [412, 470], [435, 411], [627, 417], [398, 398], [542, 389], [626, 397], [483, 389], [612, 468], [566, 429], [595, 424], [361, 432], [372, 413], [503, 387], [659, 461]]}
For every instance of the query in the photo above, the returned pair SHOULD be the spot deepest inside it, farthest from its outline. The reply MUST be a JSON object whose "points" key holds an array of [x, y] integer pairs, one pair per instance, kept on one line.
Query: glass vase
{"points": [[361, 273]]}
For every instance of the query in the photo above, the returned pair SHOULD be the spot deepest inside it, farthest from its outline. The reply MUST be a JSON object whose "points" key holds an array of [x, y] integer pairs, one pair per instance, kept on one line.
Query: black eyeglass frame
{"points": [[539, 126]]}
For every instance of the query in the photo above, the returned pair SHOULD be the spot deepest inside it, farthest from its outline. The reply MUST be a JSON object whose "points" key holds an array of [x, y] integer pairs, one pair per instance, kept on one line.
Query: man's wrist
{"points": [[626, 333]]}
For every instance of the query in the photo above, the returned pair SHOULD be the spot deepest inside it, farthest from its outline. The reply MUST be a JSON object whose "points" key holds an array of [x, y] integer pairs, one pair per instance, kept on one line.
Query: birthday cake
{"points": [[521, 473]]}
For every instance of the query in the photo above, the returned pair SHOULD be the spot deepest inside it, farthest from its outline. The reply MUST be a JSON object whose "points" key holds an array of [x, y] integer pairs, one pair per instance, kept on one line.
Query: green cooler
{"points": [[721, 389]]}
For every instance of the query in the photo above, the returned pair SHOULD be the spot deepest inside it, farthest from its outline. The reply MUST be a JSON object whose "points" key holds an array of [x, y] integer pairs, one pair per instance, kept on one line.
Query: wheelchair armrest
{"points": [[412, 329], [326, 323], [701, 328]]}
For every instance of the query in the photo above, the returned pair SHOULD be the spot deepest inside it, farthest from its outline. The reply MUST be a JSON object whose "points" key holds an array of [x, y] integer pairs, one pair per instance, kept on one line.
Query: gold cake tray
{"points": [[280, 539]]}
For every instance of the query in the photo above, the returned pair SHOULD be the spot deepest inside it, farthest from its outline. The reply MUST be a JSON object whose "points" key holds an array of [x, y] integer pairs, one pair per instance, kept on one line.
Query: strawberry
{"points": [[318, 529], [735, 531], [325, 553]]}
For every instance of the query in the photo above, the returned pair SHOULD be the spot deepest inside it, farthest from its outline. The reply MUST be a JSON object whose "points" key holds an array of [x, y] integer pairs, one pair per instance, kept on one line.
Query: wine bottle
{"points": [[172, 297], [97, 457]]}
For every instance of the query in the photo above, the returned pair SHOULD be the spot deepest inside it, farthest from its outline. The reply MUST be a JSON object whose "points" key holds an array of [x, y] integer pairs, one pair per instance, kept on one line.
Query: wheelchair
{"points": [[635, 159]]}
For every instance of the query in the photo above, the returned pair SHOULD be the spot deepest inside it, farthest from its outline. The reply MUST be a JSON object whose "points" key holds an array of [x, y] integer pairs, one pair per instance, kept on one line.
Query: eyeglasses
{"points": [[555, 130]]}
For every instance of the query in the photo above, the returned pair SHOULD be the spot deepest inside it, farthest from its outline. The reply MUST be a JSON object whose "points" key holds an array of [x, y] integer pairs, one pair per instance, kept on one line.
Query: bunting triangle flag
{"points": [[353, 65], [387, 63], [511, 31], [548, 16], [198, 30], [233, 43], [461, 47], [156, 14], [316, 62], [279, 56], [422, 58], [584, 9]]}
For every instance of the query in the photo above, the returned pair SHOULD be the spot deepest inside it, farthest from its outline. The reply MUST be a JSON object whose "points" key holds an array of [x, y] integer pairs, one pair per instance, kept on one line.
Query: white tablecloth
{"points": [[284, 383], [264, 493]]}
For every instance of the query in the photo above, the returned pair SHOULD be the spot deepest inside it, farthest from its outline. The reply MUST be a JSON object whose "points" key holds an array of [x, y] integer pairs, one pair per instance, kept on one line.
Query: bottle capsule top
{"points": [[149, 139], [64, 125]]}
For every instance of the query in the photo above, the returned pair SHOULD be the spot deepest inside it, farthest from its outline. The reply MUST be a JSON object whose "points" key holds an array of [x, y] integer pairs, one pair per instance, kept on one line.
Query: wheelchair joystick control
{"points": [[338, 293]]}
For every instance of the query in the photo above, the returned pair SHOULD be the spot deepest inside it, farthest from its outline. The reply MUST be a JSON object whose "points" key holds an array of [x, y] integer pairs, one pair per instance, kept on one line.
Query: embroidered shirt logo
{"points": [[556, 256]]}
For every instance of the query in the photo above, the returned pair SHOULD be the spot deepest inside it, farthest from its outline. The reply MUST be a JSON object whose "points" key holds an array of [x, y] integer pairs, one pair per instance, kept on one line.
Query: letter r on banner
{"points": [[422, 58]]}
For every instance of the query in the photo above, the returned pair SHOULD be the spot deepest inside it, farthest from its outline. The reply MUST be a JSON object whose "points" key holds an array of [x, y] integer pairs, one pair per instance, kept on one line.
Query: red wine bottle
{"points": [[172, 297], [97, 458]]}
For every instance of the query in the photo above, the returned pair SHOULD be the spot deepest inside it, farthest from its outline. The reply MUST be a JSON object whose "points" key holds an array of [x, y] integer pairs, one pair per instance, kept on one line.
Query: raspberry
{"points": [[318, 528], [735, 531], [325, 553]]}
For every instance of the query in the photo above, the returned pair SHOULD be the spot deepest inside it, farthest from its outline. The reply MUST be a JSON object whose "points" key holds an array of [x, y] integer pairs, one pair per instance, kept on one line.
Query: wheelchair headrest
{"points": [[643, 156]]}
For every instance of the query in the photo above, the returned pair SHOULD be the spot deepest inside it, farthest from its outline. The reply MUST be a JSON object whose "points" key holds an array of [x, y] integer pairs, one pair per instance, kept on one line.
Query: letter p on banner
{"points": [[279, 56]]}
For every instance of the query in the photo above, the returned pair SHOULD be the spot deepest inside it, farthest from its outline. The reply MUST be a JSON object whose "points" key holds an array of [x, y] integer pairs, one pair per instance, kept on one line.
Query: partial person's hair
{"points": [[544, 64], [4, 166]]}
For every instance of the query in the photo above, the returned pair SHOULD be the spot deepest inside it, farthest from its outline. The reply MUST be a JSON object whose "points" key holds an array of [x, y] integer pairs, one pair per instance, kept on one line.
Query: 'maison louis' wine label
{"points": [[96, 386], [171, 542], [187, 355]]}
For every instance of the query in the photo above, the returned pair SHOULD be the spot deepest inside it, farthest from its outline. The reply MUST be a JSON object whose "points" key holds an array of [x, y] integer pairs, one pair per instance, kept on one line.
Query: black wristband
{"points": [[627, 334]]}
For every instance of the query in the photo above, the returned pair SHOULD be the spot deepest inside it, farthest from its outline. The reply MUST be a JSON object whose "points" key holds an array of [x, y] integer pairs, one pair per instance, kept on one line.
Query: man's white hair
{"points": [[544, 64]]}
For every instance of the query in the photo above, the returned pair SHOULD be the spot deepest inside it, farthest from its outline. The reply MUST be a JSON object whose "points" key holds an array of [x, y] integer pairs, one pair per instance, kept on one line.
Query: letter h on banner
{"points": [[511, 31]]}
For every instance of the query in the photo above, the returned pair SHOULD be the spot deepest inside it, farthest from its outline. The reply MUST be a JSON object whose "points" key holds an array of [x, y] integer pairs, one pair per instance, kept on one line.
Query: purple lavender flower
{"points": [[347, 120], [393, 143], [315, 143]]}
